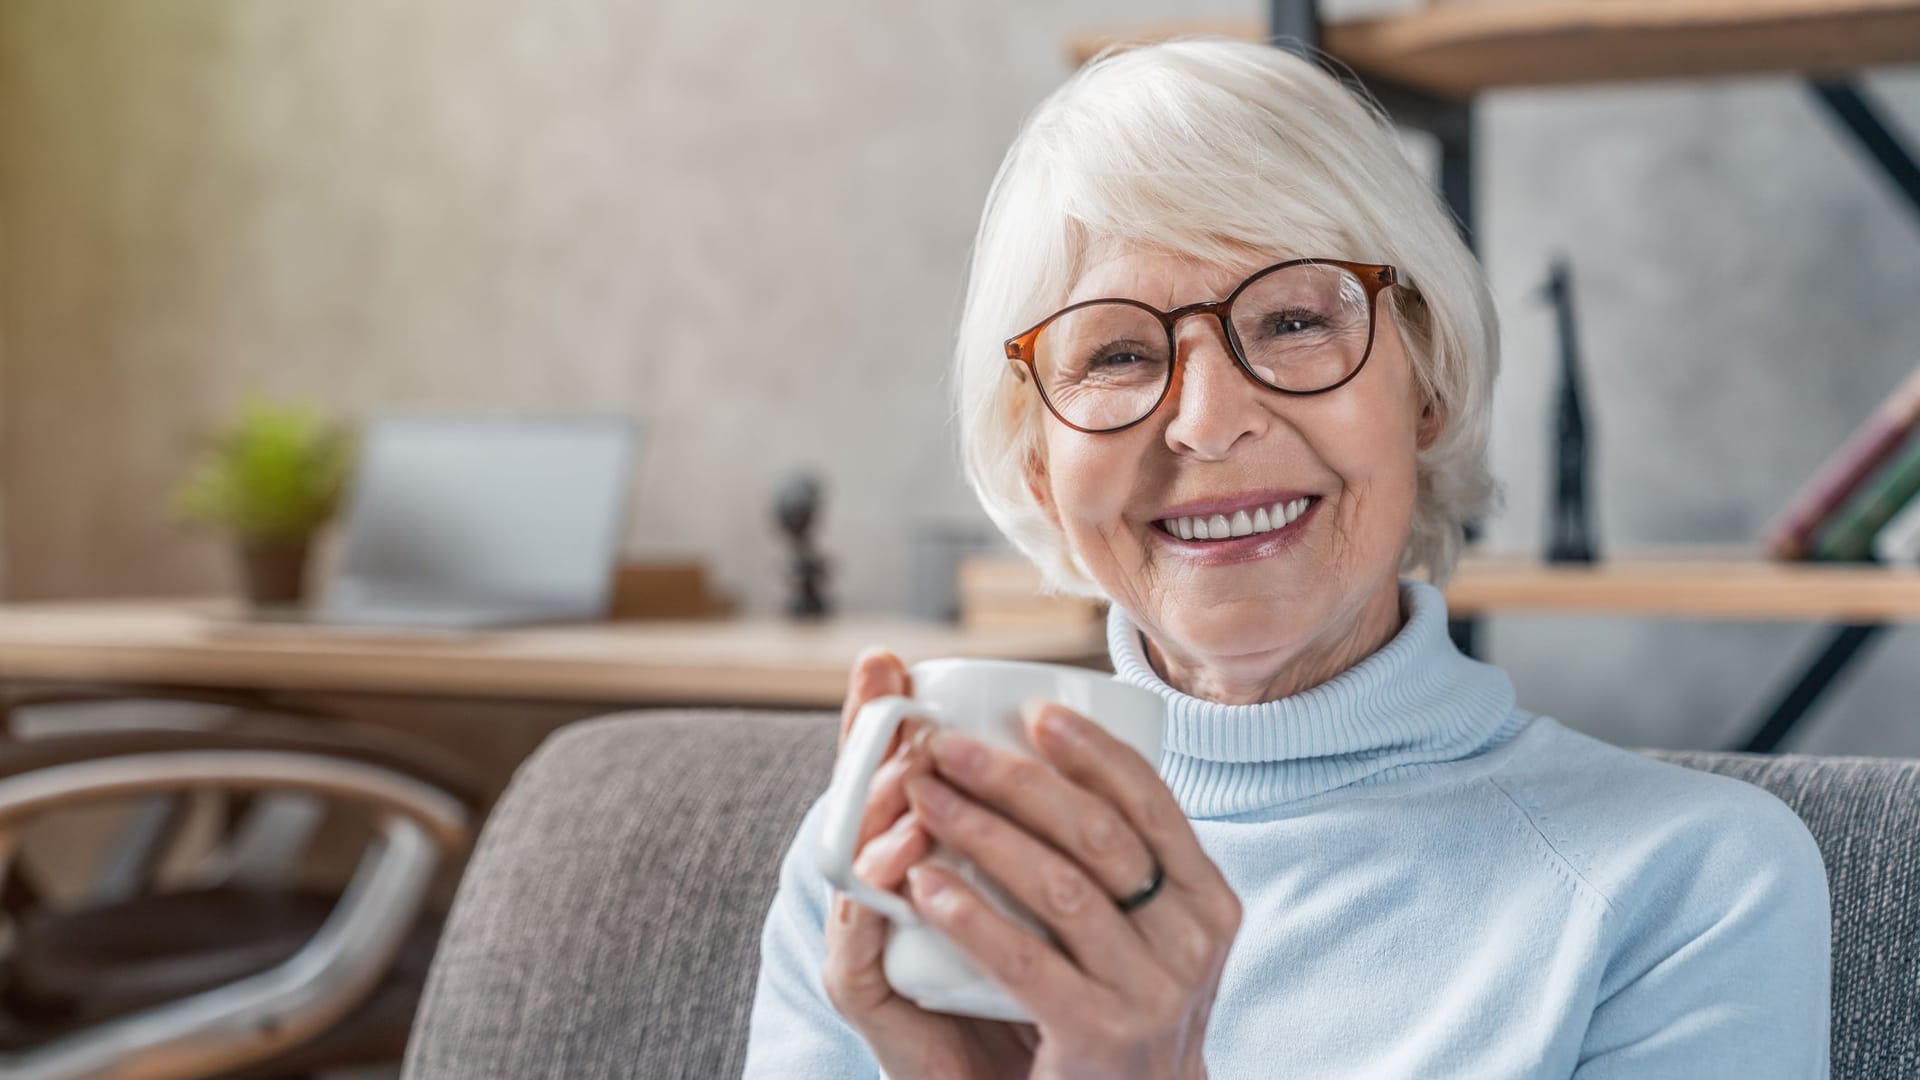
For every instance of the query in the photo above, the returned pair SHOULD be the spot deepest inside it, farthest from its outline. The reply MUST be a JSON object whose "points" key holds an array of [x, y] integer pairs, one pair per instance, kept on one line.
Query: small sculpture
{"points": [[1571, 533], [797, 507]]}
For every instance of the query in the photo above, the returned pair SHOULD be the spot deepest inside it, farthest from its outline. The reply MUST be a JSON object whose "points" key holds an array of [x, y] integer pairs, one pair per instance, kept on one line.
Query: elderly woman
{"points": [[1225, 362]]}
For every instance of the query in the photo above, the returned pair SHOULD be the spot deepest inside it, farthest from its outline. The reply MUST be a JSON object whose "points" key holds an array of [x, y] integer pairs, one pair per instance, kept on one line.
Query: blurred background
{"points": [[712, 217], [746, 226]]}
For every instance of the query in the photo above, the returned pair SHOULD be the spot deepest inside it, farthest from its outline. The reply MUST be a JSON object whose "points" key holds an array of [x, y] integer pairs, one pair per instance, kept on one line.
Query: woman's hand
{"points": [[1121, 994], [906, 1040]]}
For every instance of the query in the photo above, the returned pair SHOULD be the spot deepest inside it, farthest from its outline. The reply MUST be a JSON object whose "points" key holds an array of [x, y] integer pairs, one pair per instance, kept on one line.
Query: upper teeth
{"points": [[1240, 523]]}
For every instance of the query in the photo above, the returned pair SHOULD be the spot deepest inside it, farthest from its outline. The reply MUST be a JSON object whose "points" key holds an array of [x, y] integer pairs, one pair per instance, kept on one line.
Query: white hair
{"points": [[1209, 148]]}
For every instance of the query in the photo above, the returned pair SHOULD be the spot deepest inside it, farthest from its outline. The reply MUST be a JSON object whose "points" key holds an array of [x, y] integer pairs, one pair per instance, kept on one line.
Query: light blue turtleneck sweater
{"points": [[1436, 883]]}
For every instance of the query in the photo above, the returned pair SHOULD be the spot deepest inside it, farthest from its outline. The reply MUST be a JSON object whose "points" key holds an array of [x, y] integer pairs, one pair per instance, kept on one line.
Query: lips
{"points": [[1235, 550]]}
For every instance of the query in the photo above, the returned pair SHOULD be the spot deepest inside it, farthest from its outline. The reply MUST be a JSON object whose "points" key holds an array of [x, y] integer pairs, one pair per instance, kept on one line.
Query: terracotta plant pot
{"points": [[274, 571]]}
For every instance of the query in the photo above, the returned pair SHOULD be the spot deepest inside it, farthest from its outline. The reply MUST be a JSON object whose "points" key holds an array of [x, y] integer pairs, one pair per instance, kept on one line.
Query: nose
{"points": [[1214, 403]]}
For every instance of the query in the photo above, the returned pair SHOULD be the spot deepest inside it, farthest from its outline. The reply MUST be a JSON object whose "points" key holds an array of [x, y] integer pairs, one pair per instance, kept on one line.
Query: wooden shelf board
{"points": [[1684, 586], [1460, 48], [1693, 581]]}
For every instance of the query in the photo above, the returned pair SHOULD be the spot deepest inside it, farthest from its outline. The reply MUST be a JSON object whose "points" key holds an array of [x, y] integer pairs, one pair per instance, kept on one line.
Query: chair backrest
{"points": [[609, 923]]}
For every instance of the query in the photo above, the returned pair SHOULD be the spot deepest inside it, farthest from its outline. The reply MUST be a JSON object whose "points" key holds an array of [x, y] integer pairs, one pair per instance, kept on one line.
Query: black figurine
{"points": [[1571, 534], [798, 507]]}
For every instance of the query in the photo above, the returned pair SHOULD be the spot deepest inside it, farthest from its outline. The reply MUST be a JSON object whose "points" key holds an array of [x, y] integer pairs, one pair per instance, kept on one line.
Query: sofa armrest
{"points": [[609, 921]]}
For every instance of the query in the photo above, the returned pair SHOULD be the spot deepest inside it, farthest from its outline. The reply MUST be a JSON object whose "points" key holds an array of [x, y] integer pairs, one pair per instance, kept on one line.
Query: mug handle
{"points": [[846, 801]]}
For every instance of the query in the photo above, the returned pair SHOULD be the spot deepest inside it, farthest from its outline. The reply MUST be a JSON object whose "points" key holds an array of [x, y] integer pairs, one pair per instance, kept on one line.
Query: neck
{"points": [[1415, 704], [1269, 677]]}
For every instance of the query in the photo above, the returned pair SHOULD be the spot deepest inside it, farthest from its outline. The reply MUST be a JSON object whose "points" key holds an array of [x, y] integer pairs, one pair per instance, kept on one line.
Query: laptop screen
{"points": [[509, 515]]}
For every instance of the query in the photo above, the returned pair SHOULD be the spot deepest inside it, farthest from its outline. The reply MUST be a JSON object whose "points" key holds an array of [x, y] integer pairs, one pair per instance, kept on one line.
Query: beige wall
{"points": [[748, 225], [3, 398], [744, 224]]}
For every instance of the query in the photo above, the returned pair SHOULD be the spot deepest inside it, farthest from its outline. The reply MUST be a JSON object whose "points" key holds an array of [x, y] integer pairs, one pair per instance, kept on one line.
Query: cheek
{"points": [[1370, 443], [1092, 478], [1375, 461], [1386, 486]]}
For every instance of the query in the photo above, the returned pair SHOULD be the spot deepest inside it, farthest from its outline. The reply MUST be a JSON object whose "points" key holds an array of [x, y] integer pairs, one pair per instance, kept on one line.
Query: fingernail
{"points": [[960, 755], [921, 734], [1059, 724], [1031, 709], [1053, 722], [926, 883], [866, 654], [934, 795]]}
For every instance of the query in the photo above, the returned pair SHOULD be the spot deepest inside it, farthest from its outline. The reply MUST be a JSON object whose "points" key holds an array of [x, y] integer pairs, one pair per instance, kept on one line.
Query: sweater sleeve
{"points": [[1725, 970], [794, 1032]]}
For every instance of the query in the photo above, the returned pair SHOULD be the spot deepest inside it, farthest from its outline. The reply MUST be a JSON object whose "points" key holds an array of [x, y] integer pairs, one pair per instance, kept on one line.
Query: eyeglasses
{"points": [[1300, 327]]}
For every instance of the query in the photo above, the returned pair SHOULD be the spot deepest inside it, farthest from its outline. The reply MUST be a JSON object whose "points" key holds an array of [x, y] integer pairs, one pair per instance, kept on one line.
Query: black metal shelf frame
{"points": [[1295, 25]]}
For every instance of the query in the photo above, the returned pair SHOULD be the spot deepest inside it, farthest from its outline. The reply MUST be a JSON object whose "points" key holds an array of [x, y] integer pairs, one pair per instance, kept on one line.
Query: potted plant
{"points": [[272, 478]]}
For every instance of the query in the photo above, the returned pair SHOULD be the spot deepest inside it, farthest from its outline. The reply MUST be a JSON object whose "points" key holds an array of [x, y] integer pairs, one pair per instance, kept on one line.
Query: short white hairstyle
{"points": [[1211, 148]]}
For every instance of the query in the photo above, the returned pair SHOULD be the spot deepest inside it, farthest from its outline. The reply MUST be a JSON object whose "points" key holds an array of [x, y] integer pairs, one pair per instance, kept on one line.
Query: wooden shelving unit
{"points": [[1699, 584], [1457, 49], [1426, 66]]}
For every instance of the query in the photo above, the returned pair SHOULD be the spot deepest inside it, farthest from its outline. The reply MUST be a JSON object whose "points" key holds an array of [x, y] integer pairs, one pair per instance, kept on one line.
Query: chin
{"points": [[1243, 628]]}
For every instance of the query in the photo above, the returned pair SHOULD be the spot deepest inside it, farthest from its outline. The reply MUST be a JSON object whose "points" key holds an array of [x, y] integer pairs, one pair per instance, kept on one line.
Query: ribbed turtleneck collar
{"points": [[1416, 703]]}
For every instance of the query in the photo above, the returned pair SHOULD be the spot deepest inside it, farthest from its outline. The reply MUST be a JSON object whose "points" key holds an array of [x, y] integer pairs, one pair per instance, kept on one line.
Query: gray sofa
{"points": [[608, 925]]}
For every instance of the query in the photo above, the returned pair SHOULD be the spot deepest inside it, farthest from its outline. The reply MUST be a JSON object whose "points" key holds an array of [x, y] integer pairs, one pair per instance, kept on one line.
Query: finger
{"points": [[856, 940], [1089, 755], [1190, 924], [856, 936], [876, 673], [1048, 804], [886, 794], [1032, 972], [1069, 902], [883, 862]]}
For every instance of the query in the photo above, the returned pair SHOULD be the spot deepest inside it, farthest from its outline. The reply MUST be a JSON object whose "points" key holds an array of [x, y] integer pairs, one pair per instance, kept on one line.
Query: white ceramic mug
{"points": [[980, 698]]}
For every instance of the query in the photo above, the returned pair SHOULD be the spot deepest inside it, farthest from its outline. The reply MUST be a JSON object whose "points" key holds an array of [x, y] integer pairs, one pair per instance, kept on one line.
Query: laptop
{"points": [[469, 521]]}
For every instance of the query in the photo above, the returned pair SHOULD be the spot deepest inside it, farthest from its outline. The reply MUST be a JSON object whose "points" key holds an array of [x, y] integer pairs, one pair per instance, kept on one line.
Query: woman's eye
{"points": [[1292, 323], [1116, 359]]}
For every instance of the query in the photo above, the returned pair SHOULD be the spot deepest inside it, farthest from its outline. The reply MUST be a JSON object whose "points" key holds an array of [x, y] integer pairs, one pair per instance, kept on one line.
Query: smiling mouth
{"points": [[1240, 523]]}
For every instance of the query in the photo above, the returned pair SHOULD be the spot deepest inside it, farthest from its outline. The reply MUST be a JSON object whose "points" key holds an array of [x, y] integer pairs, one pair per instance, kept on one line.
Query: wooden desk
{"points": [[749, 661]]}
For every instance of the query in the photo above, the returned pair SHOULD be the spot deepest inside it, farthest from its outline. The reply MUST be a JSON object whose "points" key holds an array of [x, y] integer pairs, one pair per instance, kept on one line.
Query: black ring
{"points": [[1139, 900]]}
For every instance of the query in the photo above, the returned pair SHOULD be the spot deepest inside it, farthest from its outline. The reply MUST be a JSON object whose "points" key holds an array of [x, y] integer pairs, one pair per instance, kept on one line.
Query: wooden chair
{"points": [[240, 971]]}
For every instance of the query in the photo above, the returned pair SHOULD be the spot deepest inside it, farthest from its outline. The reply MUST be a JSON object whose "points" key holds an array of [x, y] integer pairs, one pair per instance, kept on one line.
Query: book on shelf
{"points": [[1792, 533], [1898, 541], [1002, 592], [1849, 533], [665, 588]]}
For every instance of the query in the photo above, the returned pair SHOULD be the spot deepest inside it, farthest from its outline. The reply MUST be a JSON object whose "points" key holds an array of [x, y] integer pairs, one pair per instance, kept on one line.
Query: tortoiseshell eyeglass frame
{"points": [[1373, 277]]}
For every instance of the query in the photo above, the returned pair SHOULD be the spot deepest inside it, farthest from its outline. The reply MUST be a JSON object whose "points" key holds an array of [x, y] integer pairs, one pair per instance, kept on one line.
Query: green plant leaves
{"points": [[277, 472]]}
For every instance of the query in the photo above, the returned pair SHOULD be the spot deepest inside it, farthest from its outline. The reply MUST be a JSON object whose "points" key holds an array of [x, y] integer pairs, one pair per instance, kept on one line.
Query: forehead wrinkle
{"points": [[1172, 270]]}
